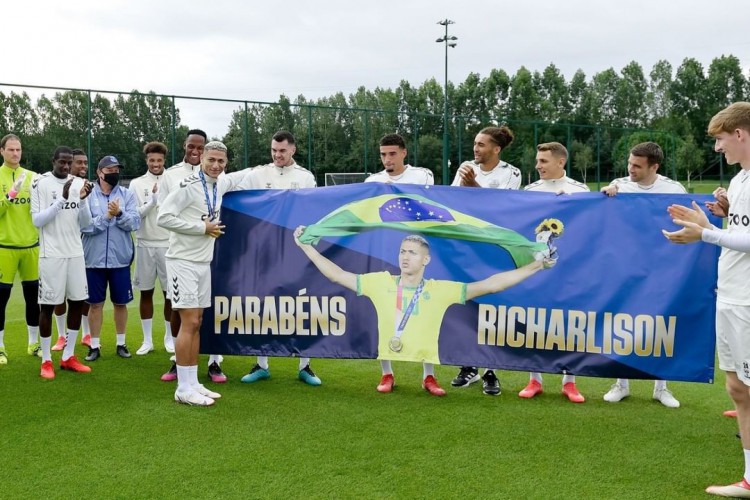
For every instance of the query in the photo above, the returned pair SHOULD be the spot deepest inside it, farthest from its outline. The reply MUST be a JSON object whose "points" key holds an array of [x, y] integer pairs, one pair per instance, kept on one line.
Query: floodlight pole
{"points": [[449, 41]]}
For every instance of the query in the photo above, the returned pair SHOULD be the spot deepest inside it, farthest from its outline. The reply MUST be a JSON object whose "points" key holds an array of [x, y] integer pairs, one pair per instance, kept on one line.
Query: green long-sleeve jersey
{"points": [[16, 228]]}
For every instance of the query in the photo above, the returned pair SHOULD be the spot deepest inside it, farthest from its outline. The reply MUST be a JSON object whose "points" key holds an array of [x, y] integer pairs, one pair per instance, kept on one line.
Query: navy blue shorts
{"points": [[120, 288]]}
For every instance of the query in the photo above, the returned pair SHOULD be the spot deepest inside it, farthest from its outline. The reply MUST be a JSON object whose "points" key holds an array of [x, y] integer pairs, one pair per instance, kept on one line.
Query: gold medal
{"points": [[395, 344]]}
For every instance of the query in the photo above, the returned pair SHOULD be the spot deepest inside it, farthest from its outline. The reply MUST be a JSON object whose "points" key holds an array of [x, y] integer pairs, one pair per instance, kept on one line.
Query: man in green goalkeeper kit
{"points": [[19, 242]]}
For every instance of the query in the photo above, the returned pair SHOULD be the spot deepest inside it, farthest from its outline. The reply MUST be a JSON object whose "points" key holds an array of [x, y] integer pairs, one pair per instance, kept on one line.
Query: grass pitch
{"points": [[117, 433]]}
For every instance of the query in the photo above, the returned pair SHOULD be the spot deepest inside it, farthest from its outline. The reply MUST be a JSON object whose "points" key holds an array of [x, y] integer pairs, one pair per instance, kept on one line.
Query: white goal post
{"points": [[336, 178]]}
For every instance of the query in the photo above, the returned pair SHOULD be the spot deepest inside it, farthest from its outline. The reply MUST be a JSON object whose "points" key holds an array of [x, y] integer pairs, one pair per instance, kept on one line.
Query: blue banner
{"points": [[621, 302]]}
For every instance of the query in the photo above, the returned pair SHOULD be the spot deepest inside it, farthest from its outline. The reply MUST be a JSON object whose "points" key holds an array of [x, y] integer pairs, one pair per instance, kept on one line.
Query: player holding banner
{"points": [[191, 214], [59, 208]]}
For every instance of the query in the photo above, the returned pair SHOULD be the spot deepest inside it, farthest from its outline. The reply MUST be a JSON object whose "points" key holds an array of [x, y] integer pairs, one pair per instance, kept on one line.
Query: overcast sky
{"points": [[251, 50]]}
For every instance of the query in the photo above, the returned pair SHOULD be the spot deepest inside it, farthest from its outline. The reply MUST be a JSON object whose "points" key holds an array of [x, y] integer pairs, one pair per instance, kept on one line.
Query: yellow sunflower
{"points": [[553, 225]]}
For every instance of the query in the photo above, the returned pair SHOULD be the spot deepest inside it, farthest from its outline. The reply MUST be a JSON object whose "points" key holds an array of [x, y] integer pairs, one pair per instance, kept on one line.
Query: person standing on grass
{"points": [[19, 242], [194, 144], [486, 171], [282, 173], [191, 214], [393, 155], [551, 158], [80, 168], [730, 129], [410, 309], [108, 249], [59, 209], [153, 242], [643, 163]]}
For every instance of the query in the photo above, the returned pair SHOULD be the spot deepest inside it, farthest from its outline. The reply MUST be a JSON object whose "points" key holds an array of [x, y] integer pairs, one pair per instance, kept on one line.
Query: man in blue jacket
{"points": [[108, 250]]}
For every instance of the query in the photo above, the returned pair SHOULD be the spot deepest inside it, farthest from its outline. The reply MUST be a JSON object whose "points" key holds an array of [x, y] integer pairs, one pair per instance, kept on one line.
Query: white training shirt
{"points": [[564, 184], [662, 185], [173, 176], [149, 234], [184, 211], [503, 176], [272, 177], [410, 175], [59, 220], [734, 266]]}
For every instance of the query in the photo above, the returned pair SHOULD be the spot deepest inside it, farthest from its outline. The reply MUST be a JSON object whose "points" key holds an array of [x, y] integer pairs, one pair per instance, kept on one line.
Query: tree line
{"points": [[598, 118]]}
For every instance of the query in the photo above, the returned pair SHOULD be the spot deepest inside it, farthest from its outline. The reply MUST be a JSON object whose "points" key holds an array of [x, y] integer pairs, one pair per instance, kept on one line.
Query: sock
{"points": [[168, 340], [385, 366], [428, 369], [33, 334], [183, 378], [624, 383], [46, 352], [70, 345], [263, 362], [535, 376], [660, 385], [60, 323], [569, 379], [2, 339], [85, 326], [95, 343], [214, 358], [147, 326], [193, 375], [303, 362], [120, 339], [747, 465]]}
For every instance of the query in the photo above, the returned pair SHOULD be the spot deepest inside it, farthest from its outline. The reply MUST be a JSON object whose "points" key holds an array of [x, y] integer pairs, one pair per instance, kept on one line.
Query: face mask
{"points": [[112, 179]]}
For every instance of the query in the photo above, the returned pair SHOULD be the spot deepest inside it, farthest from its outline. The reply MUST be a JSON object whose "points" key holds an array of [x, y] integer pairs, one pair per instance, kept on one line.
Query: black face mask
{"points": [[112, 179]]}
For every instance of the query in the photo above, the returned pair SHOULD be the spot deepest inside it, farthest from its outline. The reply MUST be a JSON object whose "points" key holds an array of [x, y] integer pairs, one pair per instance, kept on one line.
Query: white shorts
{"points": [[189, 284], [61, 278], [733, 339], [150, 263]]}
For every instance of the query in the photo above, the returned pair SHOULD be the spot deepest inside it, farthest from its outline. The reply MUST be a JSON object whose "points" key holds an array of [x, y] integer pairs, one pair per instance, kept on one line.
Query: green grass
{"points": [[117, 433]]}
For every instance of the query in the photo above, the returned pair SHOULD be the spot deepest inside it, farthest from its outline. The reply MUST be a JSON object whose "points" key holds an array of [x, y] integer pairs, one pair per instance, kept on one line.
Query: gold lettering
{"points": [[665, 336], [516, 315], [338, 315], [623, 331], [643, 331], [486, 327], [535, 327], [576, 331], [221, 312]]}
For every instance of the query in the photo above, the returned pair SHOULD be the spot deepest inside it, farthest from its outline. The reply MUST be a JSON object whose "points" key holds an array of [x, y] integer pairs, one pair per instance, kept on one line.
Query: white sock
{"points": [[660, 385], [263, 362], [535, 376], [193, 375], [428, 369], [147, 325], [624, 383], [183, 378], [70, 345], [385, 366], [215, 358], [168, 340], [569, 379], [85, 326], [60, 322], [747, 465], [120, 339], [2, 339], [303, 362], [95, 343], [33, 334], [46, 352]]}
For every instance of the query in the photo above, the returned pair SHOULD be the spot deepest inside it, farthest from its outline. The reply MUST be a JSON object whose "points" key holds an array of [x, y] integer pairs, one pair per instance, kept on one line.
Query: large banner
{"points": [[621, 302]]}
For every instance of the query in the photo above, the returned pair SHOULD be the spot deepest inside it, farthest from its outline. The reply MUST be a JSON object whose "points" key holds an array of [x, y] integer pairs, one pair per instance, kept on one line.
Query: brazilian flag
{"points": [[417, 214]]}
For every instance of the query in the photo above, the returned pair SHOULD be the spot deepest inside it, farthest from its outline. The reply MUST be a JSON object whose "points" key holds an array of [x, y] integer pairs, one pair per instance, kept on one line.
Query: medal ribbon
{"points": [[409, 309], [211, 207]]}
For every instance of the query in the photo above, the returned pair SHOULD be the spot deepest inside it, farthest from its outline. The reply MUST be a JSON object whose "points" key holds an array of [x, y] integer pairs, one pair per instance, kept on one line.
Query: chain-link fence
{"points": [[331, 138]]}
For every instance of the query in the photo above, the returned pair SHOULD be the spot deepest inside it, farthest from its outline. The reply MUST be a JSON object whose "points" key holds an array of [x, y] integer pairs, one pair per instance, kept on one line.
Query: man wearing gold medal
{"points": [[410, 309]]}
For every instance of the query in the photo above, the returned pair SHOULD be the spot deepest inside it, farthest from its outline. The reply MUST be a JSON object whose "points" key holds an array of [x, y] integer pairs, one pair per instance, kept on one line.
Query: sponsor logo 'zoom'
{"points": [[19, 201], [739, 220]]}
